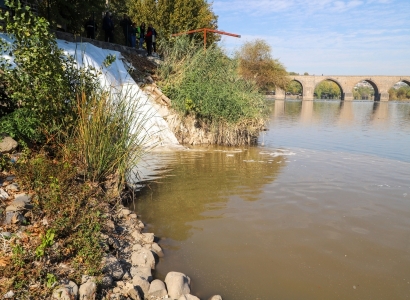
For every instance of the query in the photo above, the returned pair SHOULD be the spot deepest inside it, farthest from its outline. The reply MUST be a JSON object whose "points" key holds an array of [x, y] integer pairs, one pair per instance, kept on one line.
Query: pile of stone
{"points": [[131, 257]]}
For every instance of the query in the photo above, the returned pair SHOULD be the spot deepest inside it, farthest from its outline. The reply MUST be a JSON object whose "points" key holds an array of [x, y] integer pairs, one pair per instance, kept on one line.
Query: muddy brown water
{"points": [[320, 209]]}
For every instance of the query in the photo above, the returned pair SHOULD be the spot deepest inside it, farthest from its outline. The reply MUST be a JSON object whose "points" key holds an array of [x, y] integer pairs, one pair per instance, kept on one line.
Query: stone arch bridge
{"points": [[380, 84]]}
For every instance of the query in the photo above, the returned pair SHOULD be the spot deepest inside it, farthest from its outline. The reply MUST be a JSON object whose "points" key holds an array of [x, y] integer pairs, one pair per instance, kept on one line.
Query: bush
{"points": [[40, 84], [206, 83]]}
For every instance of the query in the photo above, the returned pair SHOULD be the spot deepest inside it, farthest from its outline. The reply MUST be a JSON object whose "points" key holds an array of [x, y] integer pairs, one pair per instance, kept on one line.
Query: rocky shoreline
{"points": [[130, 254]]}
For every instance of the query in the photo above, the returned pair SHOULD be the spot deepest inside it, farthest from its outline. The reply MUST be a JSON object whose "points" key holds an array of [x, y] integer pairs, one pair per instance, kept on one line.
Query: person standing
{"points": [[148, 40], [125, 23], [90, 28], [142, 34], [154, 39], [133, 33], [108, 27]]}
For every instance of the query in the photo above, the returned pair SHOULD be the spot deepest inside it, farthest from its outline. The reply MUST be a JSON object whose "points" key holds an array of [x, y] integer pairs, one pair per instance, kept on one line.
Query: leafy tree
{"points": [[294, 87], [363, 92], [174, 16], [293, 74], [327, 88], [41, 84], [71, 15], [256, 63], [306, 74]]}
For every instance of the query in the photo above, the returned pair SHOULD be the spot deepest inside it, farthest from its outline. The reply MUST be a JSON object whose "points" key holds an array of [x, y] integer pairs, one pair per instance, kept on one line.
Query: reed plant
{"points": [[111, 134]]}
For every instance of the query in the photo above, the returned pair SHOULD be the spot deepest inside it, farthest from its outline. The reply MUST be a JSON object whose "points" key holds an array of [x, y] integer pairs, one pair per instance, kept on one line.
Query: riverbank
{"points": [[128, 254]]}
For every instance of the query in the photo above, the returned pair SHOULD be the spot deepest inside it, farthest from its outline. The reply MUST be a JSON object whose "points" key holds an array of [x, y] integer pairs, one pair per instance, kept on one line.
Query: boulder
{"points": [[112, 267], [133, 294], [141, 285], [215, 297], [67, 290], [178, 284], [157, 289], [143, 258], [144, 272], [157, 250], [7, 144], [188, 297], [14, 187]]}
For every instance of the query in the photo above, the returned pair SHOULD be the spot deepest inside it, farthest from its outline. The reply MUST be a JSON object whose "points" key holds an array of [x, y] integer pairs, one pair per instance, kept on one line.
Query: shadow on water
{"points": [[202, 180]]}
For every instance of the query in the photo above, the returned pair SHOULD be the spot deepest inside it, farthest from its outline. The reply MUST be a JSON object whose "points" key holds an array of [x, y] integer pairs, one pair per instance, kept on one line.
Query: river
{"points": [[320, 209]]}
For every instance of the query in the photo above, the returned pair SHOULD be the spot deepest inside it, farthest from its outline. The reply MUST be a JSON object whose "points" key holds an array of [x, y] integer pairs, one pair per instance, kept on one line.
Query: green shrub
{"points": [[39, 87], [207, 84]]}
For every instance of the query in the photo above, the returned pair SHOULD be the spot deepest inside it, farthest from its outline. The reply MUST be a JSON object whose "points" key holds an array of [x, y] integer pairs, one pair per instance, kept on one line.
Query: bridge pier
{"points": [[280, 94], [348, 97]]}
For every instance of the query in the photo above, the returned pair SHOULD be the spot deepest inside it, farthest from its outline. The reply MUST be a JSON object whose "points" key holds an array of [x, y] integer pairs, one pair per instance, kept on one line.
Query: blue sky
{"points": [[343, 37]]}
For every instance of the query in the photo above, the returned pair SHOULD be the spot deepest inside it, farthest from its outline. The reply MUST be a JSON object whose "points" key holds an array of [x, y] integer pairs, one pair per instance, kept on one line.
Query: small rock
{"points": [[88, 290], [125, 212], [6, 235], [133, 216], [178, 284], [8, 295], [10, 178], [12, 187], [188, 297], [216, 297], [157, 289], [67, 290], [22, 198], [3, 195], [116, 290], [157, 249], [18, 218], [7, 144], [148, 238]]}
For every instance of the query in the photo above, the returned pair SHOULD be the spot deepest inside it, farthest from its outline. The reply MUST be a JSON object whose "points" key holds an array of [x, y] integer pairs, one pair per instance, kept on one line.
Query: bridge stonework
{"points": [[381, 85]]}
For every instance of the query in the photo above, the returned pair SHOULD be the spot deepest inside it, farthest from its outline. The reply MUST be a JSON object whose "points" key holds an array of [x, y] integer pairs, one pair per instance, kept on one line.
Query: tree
{"points": [[327, 88], [71, 15], [255, 62], [294, 87], [174, 16]]}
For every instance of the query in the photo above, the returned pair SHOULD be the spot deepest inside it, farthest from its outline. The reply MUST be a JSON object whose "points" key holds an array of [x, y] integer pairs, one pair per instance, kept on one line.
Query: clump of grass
{"points": [[110, 134], [207, 84]]}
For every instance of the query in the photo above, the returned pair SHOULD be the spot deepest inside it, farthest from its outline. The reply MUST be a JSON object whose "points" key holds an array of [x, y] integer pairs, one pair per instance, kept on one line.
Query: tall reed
{"points": [[111, 134]]}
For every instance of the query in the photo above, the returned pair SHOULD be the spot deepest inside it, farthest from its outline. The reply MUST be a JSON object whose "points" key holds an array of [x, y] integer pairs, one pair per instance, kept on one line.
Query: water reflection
{"points": [[203, 180]]}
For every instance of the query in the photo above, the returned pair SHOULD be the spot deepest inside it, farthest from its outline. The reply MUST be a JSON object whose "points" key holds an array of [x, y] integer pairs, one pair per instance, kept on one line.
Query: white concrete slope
{"points": [[116, 79]]}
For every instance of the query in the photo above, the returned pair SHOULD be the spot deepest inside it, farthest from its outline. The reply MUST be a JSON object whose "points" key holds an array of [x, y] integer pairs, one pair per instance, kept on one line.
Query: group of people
{"points": [[134, 36]]}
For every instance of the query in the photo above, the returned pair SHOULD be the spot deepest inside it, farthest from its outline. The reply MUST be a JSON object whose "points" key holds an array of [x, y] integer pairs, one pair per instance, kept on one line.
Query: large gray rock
{"points": [[133, 294], [112, 267], [141, 285], [178, 284], [188, 297], [7, 144], [143, 258], [144, 272], [67, 290], [157, 289]]}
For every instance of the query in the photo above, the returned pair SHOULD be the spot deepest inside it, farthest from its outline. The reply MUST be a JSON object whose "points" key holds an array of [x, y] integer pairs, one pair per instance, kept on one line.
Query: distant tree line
{"points": [[402, 93]]}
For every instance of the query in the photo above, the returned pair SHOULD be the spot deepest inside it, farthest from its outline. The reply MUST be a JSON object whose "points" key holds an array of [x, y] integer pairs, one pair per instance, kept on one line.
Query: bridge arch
{"points": [[400, 92], [376, 89], [334, 81]]}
